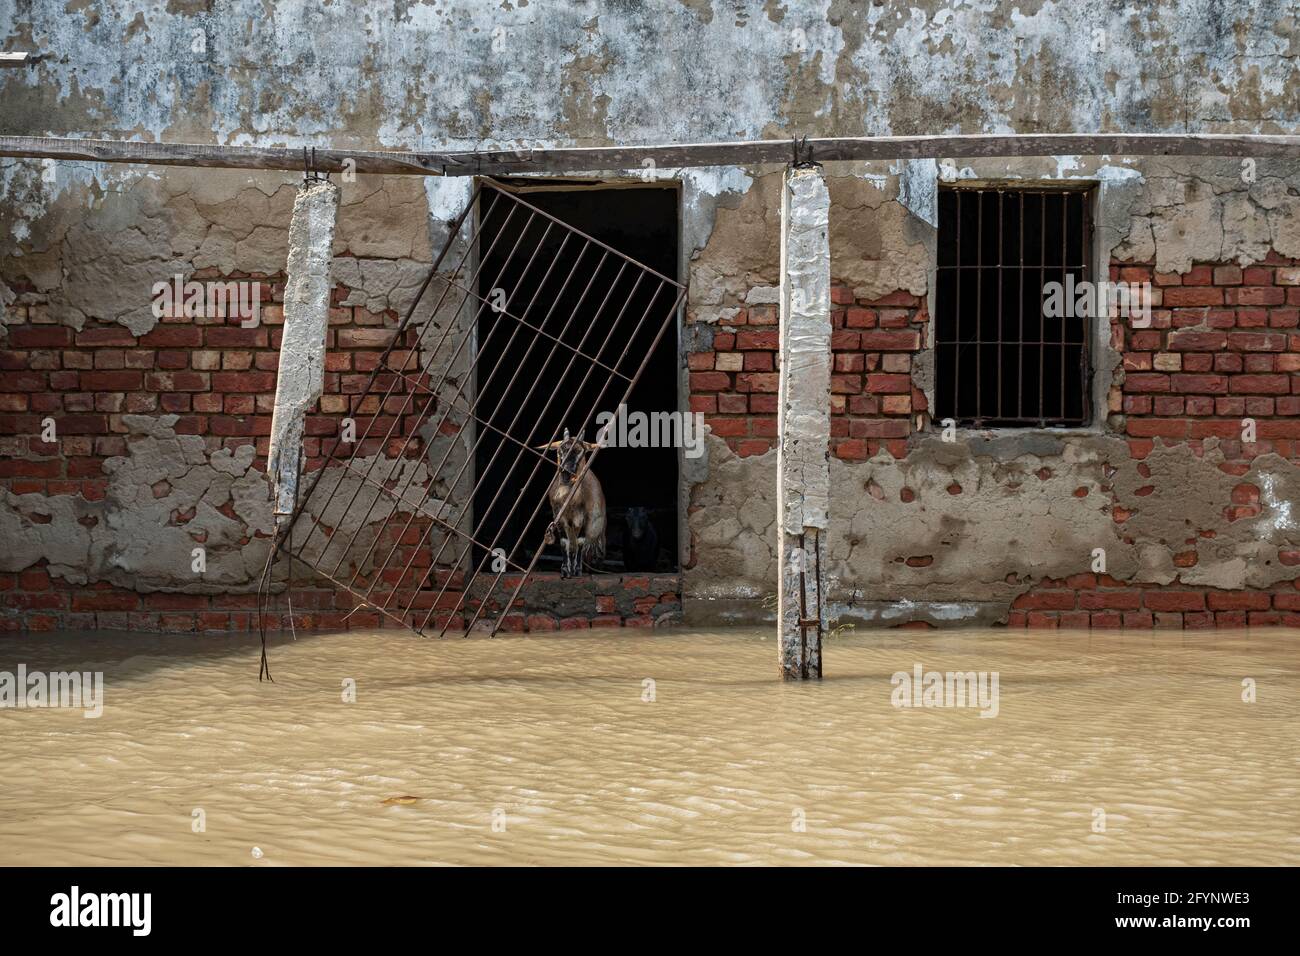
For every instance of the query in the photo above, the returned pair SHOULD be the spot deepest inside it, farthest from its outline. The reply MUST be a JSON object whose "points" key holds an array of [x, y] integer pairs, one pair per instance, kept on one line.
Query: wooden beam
{"points": [[222, 157], [15, 59], [605, 158]]}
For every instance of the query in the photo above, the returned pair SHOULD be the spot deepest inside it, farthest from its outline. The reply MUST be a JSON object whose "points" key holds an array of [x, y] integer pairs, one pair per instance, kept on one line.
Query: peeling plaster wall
{"points": [[594, 73], [986, 517], [85, 242]]}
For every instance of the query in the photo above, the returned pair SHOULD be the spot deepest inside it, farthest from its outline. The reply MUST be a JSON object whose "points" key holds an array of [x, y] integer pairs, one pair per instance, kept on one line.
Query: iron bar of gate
{"points": [[422, 401], [401, 456], [473, 416], [591, 460], [400, 331], [478, 439], [567, 412], [533, 211], [485, 471], [435, 392], [555, 432], [398, 334], [469, 456]]}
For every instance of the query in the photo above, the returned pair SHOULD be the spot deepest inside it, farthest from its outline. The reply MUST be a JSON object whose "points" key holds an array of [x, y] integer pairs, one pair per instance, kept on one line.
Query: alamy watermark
{"points": [[241, 299], [923, 688], [129, 910], [1087, 300], [624, 429], [77, 689]]}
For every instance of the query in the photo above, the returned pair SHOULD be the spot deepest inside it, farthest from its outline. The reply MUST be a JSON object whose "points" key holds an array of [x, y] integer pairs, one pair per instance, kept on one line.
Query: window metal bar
{"points": [[412, 416], [991, 403]]}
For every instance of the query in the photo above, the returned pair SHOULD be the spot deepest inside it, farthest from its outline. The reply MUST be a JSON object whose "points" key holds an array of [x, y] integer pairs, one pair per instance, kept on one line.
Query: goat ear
{"points": [[591, 445], [549, 446]]}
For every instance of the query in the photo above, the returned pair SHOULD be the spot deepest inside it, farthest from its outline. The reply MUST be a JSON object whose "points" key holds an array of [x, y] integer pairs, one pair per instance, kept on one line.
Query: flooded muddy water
{"points": [[665, 748]]}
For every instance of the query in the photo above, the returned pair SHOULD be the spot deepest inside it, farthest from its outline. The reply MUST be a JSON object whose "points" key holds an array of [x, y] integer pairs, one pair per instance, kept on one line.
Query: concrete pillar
{"points": [[803, 423], [306, 320]]}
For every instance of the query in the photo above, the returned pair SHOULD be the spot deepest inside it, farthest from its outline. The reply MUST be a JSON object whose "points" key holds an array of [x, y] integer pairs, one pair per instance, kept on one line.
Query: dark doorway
{"points": [[578, 294]]}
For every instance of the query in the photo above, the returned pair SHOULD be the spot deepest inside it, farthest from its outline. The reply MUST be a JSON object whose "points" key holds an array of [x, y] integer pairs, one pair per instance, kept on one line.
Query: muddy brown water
{"points": [[665, 748]]}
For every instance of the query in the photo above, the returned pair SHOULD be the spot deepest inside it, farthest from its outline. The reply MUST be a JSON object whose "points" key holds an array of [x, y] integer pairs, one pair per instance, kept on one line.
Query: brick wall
{"points": [[1223, 346], [219, 378], [1098, 600], [734, 380]]}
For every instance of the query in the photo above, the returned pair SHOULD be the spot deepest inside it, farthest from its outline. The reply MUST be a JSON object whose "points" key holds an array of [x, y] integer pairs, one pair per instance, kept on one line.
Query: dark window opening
{"points": [[591, 302], [1000, 360]]}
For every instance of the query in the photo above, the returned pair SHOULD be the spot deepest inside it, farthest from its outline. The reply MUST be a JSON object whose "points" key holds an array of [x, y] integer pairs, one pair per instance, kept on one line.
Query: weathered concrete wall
{"points": [[464, 72], [82, 244], [941, 532]]}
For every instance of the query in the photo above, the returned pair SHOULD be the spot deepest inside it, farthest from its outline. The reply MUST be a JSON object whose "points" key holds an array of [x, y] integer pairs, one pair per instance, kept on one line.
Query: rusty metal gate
{"points": [[389, 514]]}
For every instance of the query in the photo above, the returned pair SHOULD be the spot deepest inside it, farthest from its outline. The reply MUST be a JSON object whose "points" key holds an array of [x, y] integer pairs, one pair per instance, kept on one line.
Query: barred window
{"points": [[1000, 360]]}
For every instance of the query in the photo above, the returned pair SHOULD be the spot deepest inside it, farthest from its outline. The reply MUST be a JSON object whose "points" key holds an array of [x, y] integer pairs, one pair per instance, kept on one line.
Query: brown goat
{"points": [[581, 527]]}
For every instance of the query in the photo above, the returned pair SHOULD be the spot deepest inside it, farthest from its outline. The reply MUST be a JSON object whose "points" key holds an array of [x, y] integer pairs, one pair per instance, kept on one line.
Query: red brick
{"points": [[1157, 427], [1146, 382], [1195, 341], [1238, 600], [728, 427], [766, 339], [1110, 600], [243, 381], [1174, 600], [880, 428], [696, 362], [105, 601], [758, 382], [1202, 384], [22, 468], [879, 382], [710, 381], [40, 336], [119, 381], [365, 338], [1261, 384], [106, 335], [852, 450], [1045, 601], [173, 336], [1258, 295], [1184, 296], [1257, 341], [883, 340]]}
